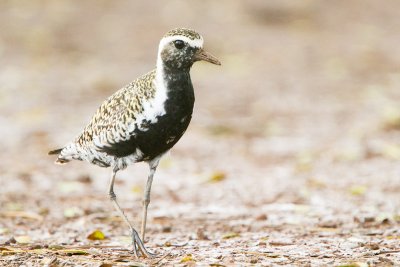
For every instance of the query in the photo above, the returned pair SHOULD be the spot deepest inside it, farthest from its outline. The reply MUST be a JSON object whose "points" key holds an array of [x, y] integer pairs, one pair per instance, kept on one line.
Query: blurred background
{"points": [[304, 112]]}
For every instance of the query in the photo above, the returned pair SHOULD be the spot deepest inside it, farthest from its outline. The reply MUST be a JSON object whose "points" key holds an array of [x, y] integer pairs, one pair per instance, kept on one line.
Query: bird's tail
{"points": [[59, 160]]}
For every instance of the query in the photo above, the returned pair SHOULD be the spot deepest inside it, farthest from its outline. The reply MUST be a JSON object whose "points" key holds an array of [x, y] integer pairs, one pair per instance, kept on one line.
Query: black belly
{"points": [[154, 139], [162, 135]]}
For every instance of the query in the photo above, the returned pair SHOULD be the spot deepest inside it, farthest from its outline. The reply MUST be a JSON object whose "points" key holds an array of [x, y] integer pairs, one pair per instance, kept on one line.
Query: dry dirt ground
{"points": [[292, 157]]}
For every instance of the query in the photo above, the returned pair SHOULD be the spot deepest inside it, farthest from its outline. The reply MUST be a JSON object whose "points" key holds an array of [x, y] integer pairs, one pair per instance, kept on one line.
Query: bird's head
{"points": [[180, 48]]}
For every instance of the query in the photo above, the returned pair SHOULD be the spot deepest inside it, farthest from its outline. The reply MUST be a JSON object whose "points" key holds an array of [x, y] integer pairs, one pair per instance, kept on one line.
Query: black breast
{"points": [[157, 138]]}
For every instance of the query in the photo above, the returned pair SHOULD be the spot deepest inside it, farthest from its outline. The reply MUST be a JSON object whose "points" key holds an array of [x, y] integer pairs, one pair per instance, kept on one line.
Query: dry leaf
{"points": [[10, 251], [373, 246], [355, 264], [392, 237], [230, 235], [391, 118], [304, 162], [391, 151], [216, 177], [137, 189], [14, 206], [262, 217], [48, 262], [70, 252], [187, 258], [69, 187], [221, 130], [4, 231], [316, 183], [281, 242], [85, 179], [21, 214], [73, 212], [55, 247], [96, 235], [201, 235], [358, 190], [166, 162], [23, 239]]}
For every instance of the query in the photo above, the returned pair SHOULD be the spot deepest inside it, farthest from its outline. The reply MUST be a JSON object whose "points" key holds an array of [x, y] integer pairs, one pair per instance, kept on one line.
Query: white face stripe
{"points": [[195, 43], [160, 83]]}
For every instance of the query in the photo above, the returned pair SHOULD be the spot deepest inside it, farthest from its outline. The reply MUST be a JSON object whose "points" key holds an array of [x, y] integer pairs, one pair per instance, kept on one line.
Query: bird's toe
{"points": [[138, 247]]}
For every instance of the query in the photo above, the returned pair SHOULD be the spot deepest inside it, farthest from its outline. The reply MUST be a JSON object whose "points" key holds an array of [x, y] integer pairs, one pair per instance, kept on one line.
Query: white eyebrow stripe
{"points": [[196, 42]]}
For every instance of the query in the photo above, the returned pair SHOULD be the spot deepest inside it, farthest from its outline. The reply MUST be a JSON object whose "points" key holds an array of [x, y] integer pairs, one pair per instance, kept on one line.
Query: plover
{"points": [[144, 119]]}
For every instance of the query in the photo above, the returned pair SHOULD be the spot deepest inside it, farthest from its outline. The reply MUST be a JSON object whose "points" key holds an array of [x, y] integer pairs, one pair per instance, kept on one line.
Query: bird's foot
{"points": [[138, 246]]}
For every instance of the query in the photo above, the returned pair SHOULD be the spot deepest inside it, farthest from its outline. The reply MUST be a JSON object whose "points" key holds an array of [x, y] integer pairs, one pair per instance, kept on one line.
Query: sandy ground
{"points": [[292, 157]]}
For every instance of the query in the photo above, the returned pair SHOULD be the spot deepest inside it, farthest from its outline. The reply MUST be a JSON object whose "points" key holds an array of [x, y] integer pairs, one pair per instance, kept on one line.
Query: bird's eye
{"points": [[179, 44]]}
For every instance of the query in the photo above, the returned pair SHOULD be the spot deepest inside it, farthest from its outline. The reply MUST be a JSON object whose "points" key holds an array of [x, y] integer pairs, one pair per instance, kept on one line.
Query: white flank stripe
{"points": [[154, 107]]}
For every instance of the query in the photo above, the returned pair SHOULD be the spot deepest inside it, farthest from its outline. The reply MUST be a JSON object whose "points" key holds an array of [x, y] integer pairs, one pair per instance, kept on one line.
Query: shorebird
{"points": [[143, 120]]}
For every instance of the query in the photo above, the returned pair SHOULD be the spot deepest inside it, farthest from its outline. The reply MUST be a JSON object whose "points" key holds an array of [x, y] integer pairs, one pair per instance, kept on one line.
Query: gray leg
{"points": [[146, 199], [137, 243]]}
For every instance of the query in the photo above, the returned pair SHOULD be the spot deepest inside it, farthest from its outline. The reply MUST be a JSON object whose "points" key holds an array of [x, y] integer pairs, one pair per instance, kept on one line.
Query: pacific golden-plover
{"points": [[144, 119]]}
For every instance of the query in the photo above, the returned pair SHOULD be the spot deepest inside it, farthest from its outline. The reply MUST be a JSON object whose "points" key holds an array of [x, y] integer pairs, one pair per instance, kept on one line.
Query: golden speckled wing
{"points": [[116, 119]]}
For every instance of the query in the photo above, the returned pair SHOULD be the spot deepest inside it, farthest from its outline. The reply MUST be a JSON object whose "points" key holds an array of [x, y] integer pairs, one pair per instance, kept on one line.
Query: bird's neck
{"points": [[172, 78], [177, 87]]}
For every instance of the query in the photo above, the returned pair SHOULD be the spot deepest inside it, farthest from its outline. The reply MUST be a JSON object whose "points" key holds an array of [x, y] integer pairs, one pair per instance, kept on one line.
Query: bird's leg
{"points": [[146, 199], [137, 243]]}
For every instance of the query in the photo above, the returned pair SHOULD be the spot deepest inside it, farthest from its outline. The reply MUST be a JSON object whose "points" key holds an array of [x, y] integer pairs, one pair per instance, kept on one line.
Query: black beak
{"points": [[203, 55]]}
